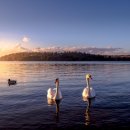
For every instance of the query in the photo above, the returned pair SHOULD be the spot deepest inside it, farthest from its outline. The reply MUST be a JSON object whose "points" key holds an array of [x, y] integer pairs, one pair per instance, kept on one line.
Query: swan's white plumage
{"points": [[86, 94], [54, 94], [51, 93], [88, 91]]}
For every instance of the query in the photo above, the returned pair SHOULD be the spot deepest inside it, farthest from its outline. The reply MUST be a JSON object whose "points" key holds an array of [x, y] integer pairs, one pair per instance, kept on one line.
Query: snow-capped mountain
{"points": [[18, 48], [90, 50], [48, 49]]}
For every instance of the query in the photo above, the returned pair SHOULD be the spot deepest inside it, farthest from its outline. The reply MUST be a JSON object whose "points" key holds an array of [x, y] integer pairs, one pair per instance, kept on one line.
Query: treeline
{"points": [[64, 56]]}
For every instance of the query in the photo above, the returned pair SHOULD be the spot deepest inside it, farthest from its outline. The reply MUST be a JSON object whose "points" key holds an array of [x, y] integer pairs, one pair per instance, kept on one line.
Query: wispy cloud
{"points": [[25, 39]]}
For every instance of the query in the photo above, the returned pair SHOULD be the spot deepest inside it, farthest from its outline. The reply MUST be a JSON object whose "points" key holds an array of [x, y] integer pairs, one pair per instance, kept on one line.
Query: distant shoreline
{"points": [[62, 56]]}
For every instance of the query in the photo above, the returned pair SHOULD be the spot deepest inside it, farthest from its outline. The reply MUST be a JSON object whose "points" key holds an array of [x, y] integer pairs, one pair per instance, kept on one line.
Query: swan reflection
{"points": [[88, 115], [55, 102]]}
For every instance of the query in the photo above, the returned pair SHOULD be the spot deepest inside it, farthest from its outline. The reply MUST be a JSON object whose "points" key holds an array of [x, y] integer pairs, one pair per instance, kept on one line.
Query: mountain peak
{"points": [[18, 48], [91, 50]]}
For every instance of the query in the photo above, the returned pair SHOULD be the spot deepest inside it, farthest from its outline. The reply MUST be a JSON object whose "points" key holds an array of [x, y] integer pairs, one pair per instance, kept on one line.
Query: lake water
{"points": [[24, 105]]}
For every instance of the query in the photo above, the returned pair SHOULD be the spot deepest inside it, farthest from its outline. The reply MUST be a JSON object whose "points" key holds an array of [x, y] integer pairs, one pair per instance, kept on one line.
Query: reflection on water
{"points": [[57, 110], [24, 105], [88, 115], [57, 104]]}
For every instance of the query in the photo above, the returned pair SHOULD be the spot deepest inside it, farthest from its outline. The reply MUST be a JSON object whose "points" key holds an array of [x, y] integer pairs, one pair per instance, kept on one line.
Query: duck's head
{"points": [[88, 76], [8, 80], [57, 82]]}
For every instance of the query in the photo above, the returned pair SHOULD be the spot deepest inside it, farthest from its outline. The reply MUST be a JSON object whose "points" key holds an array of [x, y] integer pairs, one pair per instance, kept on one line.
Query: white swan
{"points": [[54, 94], [88, 91]]}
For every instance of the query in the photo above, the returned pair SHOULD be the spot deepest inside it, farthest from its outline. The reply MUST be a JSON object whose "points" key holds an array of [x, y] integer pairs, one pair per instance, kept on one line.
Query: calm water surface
{"points": [[25, 105]]}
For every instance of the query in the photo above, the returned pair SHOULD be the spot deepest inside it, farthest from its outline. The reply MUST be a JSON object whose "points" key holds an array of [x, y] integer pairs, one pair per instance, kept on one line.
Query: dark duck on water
{"points": [[11, 82]]}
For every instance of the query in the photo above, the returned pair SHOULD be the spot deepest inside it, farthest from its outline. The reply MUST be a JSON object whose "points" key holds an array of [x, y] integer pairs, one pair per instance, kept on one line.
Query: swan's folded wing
{"points": [[93, 94], [50, 93], [60, 94]]}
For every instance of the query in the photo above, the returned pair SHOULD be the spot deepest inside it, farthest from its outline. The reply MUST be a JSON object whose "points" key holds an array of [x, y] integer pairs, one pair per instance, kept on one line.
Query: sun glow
{"points": [[8, 71], [4, 72], [6, 44]]}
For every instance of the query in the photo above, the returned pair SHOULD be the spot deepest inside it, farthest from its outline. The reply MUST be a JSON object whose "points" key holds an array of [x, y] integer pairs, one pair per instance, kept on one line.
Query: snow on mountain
{"points": [[90, 50], [48, 49], [18, 48]]}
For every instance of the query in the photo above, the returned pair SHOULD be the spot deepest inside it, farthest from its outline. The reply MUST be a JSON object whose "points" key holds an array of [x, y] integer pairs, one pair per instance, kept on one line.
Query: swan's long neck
{"points": [[88, 85], [57, 90]]}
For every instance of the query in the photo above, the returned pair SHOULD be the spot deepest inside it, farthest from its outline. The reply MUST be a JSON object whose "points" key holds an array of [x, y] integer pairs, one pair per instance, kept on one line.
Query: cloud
{"points": [[25, 39]]}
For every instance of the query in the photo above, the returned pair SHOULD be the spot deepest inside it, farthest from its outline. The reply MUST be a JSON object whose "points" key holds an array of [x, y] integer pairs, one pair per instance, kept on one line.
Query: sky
{"points": [[44, 23]]}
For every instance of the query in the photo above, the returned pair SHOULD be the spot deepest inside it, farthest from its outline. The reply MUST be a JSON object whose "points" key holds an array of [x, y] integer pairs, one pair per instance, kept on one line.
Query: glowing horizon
{"points": [[65, 23]]}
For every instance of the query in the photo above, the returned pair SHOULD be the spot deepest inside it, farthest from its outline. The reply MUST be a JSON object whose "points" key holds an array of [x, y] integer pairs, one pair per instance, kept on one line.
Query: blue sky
{"points": [[99, 23]]}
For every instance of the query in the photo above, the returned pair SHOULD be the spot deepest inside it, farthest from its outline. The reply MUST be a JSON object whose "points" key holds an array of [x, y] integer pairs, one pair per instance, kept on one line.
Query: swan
{"points": [[12, 82], [54, 94], [88, 91]]}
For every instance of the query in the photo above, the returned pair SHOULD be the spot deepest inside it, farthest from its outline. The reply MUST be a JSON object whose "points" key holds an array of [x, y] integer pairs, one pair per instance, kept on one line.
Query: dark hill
{"points": [[65, 56]]}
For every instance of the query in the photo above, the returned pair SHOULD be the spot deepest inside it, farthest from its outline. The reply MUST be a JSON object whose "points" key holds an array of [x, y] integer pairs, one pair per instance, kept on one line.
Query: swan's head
{"points": [[57, 82], [88, 76]]}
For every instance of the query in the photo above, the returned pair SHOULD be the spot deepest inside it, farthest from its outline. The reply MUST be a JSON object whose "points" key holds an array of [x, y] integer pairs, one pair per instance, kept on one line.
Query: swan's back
{"points": [[60, 95], [86, 93], [54, 94], [51, 93]]}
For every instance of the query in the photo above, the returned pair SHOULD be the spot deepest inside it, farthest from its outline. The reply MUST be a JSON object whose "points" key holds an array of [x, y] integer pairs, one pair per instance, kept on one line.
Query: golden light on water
{"points": [[3, 70], [19, 71], [4, 73], [6, 70], [10, 70]]}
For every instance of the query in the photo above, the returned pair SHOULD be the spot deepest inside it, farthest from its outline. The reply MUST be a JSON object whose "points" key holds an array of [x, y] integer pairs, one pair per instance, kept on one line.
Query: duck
{"points": [[54, 94], [11, 82], [88, 91]]}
